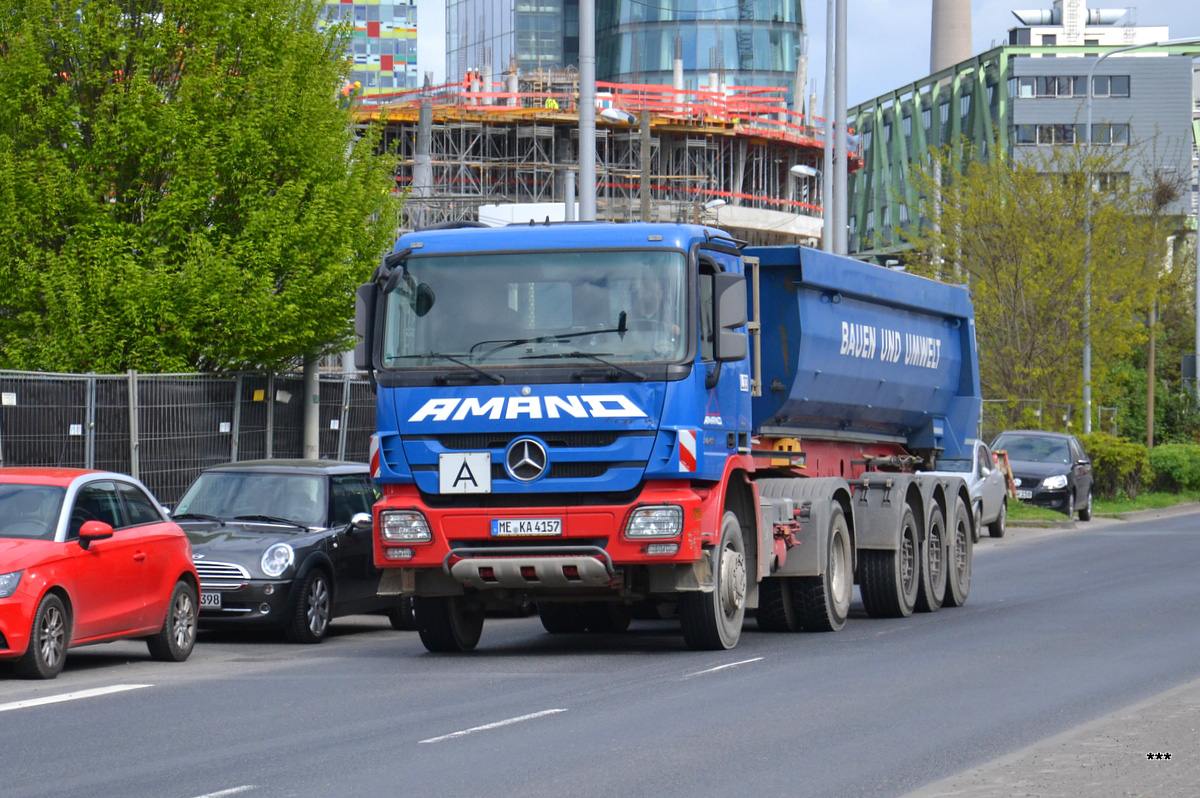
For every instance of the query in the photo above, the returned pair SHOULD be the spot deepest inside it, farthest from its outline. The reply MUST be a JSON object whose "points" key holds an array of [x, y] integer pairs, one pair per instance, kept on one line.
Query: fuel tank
{"points": [[855, 351]]}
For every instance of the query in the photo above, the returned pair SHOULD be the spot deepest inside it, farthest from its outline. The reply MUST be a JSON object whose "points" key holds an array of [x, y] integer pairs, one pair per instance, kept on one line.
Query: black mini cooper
{"points": [[285, 544]]}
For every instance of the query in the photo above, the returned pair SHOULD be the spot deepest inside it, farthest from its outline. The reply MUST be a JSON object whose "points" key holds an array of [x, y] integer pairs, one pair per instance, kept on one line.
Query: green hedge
{"points": [[1176, 466], [1119, 468]]}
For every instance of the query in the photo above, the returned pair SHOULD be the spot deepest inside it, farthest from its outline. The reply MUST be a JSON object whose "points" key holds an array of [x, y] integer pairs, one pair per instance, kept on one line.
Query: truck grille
{"points": [[477, 441]]}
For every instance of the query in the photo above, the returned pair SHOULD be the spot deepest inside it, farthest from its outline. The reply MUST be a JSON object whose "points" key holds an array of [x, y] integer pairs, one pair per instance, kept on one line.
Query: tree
{"points": [[1016, 231], [179, 186]]}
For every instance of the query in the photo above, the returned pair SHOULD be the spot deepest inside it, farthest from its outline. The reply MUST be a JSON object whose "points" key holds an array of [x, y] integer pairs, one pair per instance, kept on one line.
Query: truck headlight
{"points": [[665, 521], [404, 526], [1057, 482], [276, 559], [9, 582]]}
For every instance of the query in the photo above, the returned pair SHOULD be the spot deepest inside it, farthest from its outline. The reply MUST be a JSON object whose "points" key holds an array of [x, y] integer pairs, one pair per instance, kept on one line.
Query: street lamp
{"points": [[1087, 225]]}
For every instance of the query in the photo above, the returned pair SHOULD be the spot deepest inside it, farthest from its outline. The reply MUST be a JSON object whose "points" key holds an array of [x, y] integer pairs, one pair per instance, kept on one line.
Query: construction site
{"points": [[508, 151]]}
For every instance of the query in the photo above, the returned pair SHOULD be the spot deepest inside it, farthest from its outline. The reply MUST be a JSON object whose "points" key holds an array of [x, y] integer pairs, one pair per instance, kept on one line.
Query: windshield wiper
{"points": [[441, 380], [615, 368], [198, 517], [274, 519]]}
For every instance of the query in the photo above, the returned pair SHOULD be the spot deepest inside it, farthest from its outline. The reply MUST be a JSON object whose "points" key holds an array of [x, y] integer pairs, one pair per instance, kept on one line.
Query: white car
{"points": [[986, 485]]}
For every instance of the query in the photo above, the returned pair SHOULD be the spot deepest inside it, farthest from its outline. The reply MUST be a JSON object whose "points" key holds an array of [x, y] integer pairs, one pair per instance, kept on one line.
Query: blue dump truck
{"points": [[654, 420]]}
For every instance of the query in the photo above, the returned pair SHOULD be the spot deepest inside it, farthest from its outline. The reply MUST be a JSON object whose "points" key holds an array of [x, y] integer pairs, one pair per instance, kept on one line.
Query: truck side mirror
{"points": [[364, 325], [729, 300]]}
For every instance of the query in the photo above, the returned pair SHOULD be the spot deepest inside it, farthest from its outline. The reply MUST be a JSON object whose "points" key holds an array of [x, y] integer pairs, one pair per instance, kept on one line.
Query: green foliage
{"points": [[1176, 416], [1119, 468], [1176, 466], [179, 188], [1015, 231]]}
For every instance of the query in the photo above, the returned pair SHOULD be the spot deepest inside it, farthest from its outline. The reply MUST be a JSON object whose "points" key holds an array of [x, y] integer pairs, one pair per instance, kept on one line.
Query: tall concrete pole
{"points": [[827, 235], [841, 218], [587, 110]]}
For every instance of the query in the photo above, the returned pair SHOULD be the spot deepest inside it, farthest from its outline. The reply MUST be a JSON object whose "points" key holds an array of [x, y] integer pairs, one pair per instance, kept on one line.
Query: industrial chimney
{"points": [[950, 42]]}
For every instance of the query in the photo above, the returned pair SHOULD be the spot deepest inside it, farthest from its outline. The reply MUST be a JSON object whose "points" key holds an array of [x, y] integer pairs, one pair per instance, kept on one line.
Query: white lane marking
{"points": [[723, 667], [230, 791], [496, 725], [55, 699]]}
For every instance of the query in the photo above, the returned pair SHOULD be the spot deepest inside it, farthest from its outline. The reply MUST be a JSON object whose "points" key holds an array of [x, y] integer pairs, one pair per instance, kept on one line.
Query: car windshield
{"points": [[955, 464], [30, 511], [299, 498], [1034, 449], [546, 309]]}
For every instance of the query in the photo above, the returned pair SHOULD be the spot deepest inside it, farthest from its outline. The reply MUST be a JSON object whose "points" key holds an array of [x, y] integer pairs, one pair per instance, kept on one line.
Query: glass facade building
{"points": [[529, 34], [755, 42], [383, 44]]}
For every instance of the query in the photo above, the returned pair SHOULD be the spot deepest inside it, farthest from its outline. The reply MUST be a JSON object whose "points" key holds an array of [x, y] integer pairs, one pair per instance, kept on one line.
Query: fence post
{"points": [[134, 435], [271, 415], [341, 452], [89, 440], [237, 418]]}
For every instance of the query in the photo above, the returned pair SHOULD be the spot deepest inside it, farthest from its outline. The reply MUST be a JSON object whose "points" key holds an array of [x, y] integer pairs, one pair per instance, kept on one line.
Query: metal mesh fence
{"points": [[165, 429]]}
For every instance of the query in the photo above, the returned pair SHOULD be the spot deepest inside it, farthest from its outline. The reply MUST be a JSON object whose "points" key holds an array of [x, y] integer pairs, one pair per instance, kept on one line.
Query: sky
{"points": [[887, 40]]}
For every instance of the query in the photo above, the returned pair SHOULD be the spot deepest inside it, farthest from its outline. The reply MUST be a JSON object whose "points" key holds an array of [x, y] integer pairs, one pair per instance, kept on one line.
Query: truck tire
{"points": [[888, 580], [713, 621], [822, 602], [998, 527], [561, 619], [958, 576], [446, 624], [933, 564], [776, 609], [401, 616]]}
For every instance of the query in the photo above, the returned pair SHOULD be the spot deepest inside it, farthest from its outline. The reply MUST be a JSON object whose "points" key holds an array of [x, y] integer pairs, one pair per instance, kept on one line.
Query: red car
{"points": [[89, 557]]}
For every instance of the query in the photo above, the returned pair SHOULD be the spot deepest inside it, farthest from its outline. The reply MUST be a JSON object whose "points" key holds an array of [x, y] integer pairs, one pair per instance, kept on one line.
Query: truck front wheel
{"points": [[447, 623], [713, 621]]}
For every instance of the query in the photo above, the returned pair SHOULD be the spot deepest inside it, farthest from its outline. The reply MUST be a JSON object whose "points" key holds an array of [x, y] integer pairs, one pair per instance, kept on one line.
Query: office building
{"points": [[383, 43]]}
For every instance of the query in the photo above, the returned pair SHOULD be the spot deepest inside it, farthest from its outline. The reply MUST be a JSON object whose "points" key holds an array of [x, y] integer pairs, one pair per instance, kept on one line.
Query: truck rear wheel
{"points": [[606, 617], [713, 621], [822, 602], [933, 564], [447, 623], [958, 583], [776, 609], [888, 579]]}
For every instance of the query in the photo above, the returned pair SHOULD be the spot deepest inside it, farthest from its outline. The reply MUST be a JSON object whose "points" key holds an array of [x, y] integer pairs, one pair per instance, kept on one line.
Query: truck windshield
{"points": [[540, 309]]}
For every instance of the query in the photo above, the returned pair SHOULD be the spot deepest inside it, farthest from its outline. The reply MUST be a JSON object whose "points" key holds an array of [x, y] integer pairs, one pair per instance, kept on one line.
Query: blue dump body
{"points": [[853, 348]]}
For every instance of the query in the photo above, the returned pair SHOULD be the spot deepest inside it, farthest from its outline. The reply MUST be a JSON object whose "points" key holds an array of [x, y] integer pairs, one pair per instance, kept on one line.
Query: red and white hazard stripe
{"points": [[374, 456], [687, 450]]}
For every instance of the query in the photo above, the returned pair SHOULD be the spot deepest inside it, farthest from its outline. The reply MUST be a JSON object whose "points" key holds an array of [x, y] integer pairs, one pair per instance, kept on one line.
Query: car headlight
{"points": [[9, 582], [404, 526], [655, 522], [277, 559], [1057, 482]]}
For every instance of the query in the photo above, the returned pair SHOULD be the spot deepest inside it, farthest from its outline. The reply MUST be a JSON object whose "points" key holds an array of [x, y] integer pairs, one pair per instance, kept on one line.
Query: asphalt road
{"points": [[1064, 630]]}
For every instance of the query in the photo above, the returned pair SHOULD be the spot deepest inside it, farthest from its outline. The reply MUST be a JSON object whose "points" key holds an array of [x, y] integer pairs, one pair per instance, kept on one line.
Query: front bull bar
{"points": [[533, 566]]}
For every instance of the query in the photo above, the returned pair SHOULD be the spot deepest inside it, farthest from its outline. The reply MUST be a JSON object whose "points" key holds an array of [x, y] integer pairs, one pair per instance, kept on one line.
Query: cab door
{"points": [[111, 575], [357, 576]]}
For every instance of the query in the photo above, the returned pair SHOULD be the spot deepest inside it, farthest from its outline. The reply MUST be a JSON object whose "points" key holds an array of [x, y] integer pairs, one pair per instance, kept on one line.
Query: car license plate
{"points": [[1024, 494], [210, 601], [525, 527]]}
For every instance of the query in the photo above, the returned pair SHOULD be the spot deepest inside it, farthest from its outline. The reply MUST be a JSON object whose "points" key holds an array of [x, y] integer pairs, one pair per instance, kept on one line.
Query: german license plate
{"points": [[210, 601], [1024, 494], [525, 527]]}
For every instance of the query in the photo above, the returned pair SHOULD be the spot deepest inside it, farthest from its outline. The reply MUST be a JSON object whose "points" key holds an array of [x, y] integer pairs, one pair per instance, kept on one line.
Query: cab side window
{"points": [[96, 501], [138, 506]]}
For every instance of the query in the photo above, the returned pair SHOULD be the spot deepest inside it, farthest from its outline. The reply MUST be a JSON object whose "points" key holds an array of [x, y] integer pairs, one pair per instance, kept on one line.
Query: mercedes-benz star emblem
{"points": [[525, 459]]}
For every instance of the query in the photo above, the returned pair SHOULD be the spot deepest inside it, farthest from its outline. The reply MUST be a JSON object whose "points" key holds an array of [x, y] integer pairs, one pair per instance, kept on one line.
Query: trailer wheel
{"points": [[713, 621], [958, 582], [447, 624], [933, 564], [776, 609], [822, 602], [888, 579]]}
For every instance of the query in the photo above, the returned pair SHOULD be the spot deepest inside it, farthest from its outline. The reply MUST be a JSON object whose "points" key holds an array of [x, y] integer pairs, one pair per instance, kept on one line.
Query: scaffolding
{"points": [[736, 148]]}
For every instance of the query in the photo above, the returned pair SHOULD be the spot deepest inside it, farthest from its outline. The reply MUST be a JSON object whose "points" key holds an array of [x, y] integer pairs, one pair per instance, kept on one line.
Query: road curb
{"points": [[1133, 515]]}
